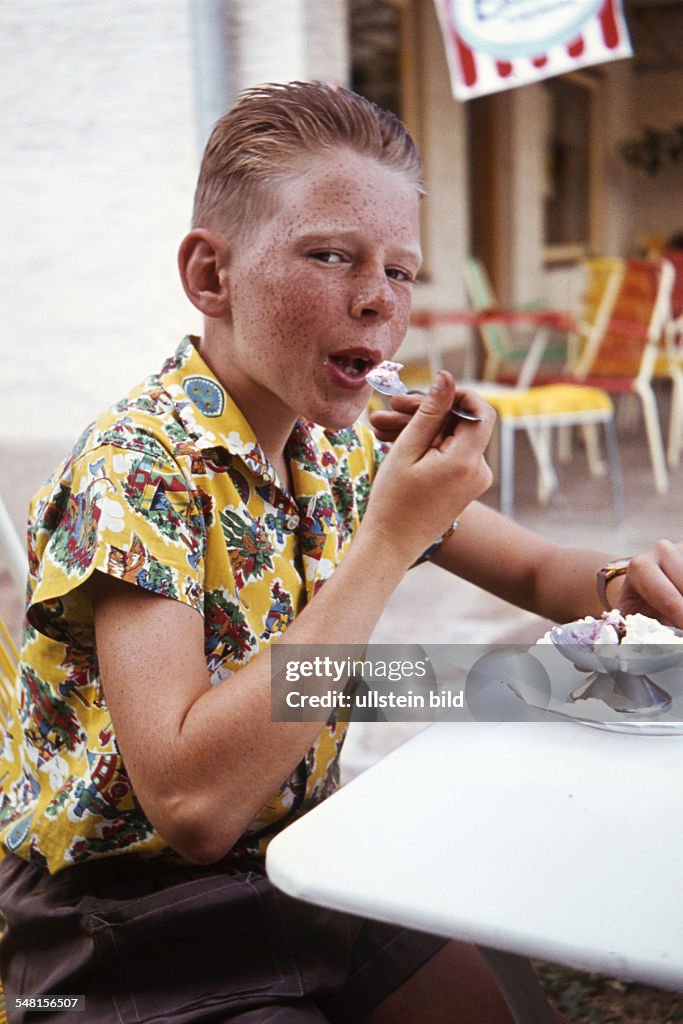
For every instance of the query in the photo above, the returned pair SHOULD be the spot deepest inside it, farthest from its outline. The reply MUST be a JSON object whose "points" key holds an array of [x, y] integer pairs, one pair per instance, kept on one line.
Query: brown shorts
{"points": [[147, 941]]}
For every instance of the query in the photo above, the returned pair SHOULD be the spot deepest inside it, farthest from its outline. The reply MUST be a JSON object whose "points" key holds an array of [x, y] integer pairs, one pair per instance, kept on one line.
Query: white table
{"points": [[551, 840]]}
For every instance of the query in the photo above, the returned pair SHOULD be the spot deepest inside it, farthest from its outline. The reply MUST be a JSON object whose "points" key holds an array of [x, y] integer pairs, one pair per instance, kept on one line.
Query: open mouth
{"points": [[351, 365]]}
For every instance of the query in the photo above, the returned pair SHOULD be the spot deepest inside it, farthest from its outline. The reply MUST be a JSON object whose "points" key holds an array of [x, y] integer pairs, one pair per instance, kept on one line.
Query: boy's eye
{"points": [[396, 274], [326, 256]]}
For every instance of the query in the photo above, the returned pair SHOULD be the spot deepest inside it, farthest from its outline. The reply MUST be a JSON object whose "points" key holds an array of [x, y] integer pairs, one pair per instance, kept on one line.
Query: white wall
{"points": [[97, 174], [620, 198], [283, 40], [442, 136], [102, 128], [101, 143], [527, 128]]}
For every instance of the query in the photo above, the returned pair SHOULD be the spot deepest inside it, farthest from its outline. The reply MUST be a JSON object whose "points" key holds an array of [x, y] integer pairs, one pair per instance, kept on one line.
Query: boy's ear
{"points": [[202, 260]]}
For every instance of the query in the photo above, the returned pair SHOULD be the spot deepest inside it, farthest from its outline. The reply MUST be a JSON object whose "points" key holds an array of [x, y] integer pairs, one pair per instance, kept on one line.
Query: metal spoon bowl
{"points": [[385, 378]]}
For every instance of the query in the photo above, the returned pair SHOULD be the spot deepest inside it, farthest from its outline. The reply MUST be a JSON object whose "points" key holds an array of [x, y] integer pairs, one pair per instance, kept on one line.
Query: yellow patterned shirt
{"points": [[170, 491]]}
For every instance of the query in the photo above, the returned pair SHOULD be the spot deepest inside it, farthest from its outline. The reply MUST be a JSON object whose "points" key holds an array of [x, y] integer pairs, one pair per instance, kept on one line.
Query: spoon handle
{"points": [[456, 410]]}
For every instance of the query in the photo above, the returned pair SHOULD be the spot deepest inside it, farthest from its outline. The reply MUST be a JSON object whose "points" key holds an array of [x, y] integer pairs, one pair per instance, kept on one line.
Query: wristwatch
{"points": [[619, 567]]}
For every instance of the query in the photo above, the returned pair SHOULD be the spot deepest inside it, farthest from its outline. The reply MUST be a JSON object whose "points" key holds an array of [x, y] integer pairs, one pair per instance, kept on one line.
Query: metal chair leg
{"points": [[14, 551], [675, 418], [540, 440], [654, 438], [520, 987], [590, 439], [507, 467]]}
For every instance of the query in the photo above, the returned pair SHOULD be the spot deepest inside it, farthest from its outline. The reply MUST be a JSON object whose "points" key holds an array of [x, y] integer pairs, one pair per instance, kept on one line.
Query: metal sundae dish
{"points": [[620, 651]]}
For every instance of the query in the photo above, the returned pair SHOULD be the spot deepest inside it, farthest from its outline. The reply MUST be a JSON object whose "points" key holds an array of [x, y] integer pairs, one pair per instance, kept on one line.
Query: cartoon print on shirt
{"points": [[281, 611], [54, 725], [317, 517], [140, 499], [75, 539], [126, 564], [249, 549], [344, 500], [226, 629]]}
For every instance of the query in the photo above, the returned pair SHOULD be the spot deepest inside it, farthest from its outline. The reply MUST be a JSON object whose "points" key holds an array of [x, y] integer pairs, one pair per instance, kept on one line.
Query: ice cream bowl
{"points": [[619, 672]]}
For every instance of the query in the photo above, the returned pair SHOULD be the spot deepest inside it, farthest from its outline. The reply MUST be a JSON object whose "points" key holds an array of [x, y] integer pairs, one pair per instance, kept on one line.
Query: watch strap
{"points": [[619, 567]]}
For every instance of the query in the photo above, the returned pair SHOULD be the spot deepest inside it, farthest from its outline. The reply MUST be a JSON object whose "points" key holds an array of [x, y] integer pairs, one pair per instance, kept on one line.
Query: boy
{"points": [[206, 516]]}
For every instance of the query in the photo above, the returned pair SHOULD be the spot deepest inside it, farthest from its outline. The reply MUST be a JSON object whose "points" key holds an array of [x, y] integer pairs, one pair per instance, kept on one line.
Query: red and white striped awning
{"points": [[501, 44]]}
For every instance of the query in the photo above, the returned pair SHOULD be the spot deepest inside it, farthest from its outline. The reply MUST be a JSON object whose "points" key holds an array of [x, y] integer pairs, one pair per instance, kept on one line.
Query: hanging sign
{"points": [[500, 44]]}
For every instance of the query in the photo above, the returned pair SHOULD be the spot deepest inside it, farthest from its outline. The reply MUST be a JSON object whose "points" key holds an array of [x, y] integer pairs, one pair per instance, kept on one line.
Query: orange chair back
{"points": [[629, 345], [603, 278], [675, 257]]}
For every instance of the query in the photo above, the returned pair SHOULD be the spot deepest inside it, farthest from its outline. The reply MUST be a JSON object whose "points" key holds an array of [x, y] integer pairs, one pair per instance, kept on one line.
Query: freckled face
{"points": [[321, 292]]}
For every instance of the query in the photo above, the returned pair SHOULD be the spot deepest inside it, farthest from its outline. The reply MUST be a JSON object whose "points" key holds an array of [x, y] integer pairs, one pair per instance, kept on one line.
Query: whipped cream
{"points": [[385, 374], [615, 628]]}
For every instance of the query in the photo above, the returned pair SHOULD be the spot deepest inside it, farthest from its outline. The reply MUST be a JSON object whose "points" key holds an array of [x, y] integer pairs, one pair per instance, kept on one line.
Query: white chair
{"points": [[13, 549], [538, 410], [674, 367], [624, 357], [17, 561]]}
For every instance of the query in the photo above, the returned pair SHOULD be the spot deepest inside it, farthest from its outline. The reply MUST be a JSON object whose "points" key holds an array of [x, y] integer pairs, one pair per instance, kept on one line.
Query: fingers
{"points": [[430, 427], [388, 423], [429, 416], [439, 456], [654, 583], [435, 468]]}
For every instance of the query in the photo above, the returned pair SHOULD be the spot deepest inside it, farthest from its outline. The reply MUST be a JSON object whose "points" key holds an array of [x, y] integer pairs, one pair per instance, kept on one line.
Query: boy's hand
{"points": [[434, 470], [653, 584], [389, 423]]}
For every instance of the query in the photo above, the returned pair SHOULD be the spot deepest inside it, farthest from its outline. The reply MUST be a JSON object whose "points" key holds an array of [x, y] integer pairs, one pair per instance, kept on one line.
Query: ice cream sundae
{"points": [[385, 377], [620, 651], [613, 628]]}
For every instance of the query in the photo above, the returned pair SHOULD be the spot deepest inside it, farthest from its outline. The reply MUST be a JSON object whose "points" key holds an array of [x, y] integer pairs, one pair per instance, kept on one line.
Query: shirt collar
{"points": [[214, 421]]}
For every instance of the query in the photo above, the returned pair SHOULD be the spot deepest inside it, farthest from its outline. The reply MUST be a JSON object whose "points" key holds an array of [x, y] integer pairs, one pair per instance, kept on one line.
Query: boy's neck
{"points": [[271, 423], [281, 467]]}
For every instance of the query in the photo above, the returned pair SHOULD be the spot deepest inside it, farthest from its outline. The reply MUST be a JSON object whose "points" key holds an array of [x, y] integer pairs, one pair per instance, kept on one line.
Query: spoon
{"points": [[385, 378]]}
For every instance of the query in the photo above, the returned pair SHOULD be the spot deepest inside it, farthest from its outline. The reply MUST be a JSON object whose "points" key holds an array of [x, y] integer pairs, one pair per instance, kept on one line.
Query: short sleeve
{"points": [[130, 514]]}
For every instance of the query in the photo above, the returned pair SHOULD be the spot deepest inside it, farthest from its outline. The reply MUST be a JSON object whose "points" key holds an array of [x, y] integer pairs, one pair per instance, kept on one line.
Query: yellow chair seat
{"points": [[548, 400], [539, 409]]}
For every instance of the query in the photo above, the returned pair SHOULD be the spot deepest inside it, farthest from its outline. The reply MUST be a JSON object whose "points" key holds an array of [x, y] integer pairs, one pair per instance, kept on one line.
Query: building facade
{"points": [[106, 109]]}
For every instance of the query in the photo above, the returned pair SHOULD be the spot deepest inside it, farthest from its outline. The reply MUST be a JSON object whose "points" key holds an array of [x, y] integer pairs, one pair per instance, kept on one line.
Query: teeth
{"points": [[354, 366]]}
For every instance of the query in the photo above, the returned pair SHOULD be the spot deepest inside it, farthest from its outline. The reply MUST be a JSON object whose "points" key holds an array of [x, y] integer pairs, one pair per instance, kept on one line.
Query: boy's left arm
{"points": [[555, 581], [528, 570]]}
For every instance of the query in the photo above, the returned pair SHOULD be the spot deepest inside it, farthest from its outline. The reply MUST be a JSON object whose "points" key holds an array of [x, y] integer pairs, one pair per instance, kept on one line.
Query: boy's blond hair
{"points": [[269, 132]]}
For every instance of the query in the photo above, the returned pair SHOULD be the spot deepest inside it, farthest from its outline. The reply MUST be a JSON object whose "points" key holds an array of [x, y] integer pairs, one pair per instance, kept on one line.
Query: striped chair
{"points": [[11, 547], [532, 359], [538, 410], [622, 358], [674, 363]]}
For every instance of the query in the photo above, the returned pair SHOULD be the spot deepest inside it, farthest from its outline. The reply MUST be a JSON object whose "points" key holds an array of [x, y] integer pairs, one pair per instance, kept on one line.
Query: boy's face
{"points": [[321, 292]]}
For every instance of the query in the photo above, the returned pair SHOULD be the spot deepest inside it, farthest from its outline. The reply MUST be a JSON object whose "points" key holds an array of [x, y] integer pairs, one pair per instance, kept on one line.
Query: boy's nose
{"points": [[374, 299]]}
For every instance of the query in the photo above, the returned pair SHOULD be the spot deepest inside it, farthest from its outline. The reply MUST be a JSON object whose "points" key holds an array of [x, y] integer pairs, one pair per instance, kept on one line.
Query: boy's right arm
{"points": [[204, 760]]}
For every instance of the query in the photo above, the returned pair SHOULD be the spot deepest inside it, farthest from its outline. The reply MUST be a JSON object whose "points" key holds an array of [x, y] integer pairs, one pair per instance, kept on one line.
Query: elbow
{"points": [[194, 832], [200, 854]]}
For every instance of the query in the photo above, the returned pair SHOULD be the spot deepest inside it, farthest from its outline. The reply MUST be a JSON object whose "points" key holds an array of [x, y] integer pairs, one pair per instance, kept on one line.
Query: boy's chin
{"points": [[338, 416], [339, 421]]}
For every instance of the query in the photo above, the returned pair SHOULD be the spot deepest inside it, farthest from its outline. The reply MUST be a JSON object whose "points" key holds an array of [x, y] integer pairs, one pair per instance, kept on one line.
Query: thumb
{"points": [[428, 421]]}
